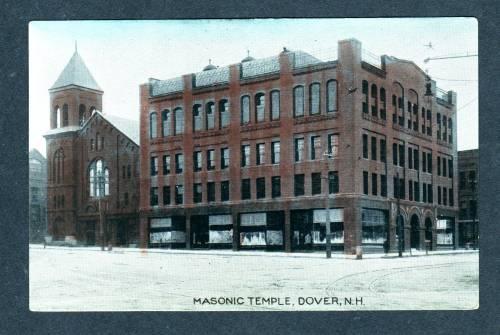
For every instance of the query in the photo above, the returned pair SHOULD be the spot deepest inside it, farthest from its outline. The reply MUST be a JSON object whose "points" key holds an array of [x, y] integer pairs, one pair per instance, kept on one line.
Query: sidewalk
{"points": [[227, 253]]}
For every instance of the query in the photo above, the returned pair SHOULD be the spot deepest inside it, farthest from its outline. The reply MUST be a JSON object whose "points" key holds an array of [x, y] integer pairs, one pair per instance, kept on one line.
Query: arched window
{"points": [[224, 116], [275, 105], [383, 104], [374, 102], [331, 96], [152, 125], [58, 166], [57, 117], [197, 118], [298, 101], [81, 114], [260, 104], [314, 99], [165, 122], [179, 120], [245, 109], [210, 114], [65, 116], [98, 179]]}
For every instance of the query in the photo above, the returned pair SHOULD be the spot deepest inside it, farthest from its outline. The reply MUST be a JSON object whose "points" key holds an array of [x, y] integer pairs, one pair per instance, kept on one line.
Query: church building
{"points": [[92, 164]]}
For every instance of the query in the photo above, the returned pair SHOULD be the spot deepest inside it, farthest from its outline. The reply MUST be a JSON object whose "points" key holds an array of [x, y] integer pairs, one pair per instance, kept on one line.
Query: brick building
{"points": [[249, 155], [468, 171], [37, 196], [91, 156]]}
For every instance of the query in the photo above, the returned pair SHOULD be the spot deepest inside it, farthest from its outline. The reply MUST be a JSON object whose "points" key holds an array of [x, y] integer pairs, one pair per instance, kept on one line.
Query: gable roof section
{"points": [[76, 73], [127, 127]]}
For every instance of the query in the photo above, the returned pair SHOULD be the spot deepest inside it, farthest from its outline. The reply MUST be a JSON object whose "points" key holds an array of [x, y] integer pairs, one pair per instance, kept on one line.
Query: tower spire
{"points": [[76, 46]]}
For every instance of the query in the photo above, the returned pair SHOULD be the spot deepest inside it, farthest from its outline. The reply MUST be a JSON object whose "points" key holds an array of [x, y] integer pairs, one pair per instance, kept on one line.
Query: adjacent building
{"points": [[468, 169], [93, 164], [251, 155], [37, 197]]}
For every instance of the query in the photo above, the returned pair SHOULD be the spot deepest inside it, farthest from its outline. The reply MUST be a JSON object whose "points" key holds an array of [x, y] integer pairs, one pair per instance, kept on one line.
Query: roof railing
{"points": [[371, 58]]}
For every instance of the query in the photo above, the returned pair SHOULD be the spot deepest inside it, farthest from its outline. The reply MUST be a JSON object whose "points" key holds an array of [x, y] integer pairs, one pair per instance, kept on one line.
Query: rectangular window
{"points": [[445, 196], [166, 164], [210, 159], [154, 166], [129, 171], [383, 151], [197, 161], [452, 198], [179, 163], [374, 148], [298, 187], [123, 171], [395, 187], [439, 195], [416, 159], [333, 145], [298, 101], [333, 182], [210, 191], [315, 183], [276, 186], [275, 105], [383, 185], [424, 192], [402, 155], [245, 189], [394, 154], [365, 146], [260, 184], [261, 153], [224, 158], [439, 165], [444, 167], [245, 155], [125, 199], [450, 168], [424, 161], [429, 162], [331, 96], [416, 191], [462, 181], [402, 190], [275, 152], [410, 190], [224, 190], [299, 149], [410, 159], [197, 193], [153, 197], [430, 196], [365, 182], [315, 147], [374, 184], [197, 118], [179, 194], [166, 195]]}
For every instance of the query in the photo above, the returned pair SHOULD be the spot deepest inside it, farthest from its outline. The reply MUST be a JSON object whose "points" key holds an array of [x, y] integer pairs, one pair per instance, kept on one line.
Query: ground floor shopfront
{"points": [[301, 225]]}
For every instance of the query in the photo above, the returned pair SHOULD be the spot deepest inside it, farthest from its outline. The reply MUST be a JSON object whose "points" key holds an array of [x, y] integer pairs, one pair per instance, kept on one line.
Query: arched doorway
{"points": [[428, 231], [58, 229], [415, 232]]}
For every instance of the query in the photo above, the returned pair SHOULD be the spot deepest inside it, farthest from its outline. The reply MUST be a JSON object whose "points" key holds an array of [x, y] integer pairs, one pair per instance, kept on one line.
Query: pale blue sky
{"points": [[123, 54]]}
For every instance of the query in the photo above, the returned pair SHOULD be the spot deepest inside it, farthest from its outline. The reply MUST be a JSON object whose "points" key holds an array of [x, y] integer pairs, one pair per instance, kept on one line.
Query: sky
{"points": [[121, 55]]}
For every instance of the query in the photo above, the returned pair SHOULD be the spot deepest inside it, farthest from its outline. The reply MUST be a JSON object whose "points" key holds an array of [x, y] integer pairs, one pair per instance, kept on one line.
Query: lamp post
{"points": [[100, 192], [328, 242], [398, 221], [475, 231]]}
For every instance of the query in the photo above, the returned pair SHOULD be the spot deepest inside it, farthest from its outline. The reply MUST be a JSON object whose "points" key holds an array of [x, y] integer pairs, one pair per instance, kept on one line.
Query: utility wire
{"points": [[467, 104], [468, 80]]}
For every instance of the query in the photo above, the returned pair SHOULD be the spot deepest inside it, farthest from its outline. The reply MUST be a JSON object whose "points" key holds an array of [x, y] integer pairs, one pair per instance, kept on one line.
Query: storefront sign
{"points": [[336, 215]]}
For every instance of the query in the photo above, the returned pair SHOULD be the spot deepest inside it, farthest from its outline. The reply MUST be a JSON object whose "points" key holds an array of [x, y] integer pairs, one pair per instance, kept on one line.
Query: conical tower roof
{"points": [[76, 73]]}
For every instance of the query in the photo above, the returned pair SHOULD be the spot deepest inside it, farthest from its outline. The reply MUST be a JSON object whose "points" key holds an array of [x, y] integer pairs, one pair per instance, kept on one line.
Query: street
{"points": [[87, 279]]}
